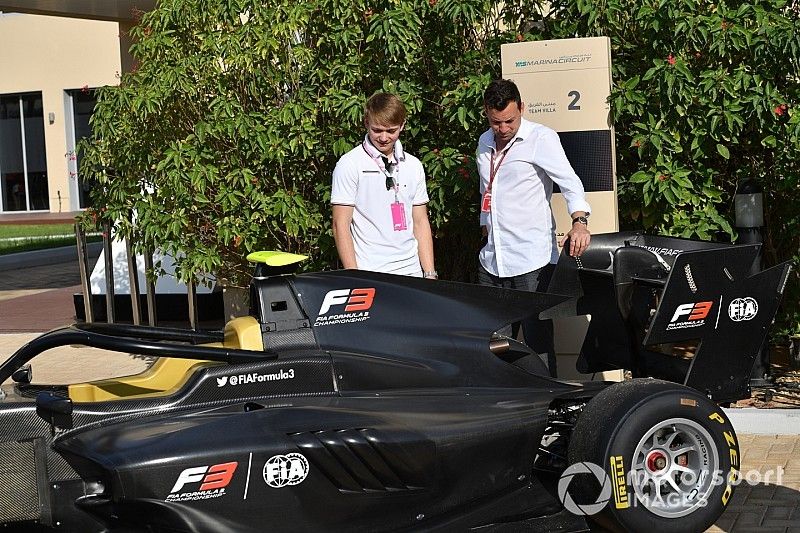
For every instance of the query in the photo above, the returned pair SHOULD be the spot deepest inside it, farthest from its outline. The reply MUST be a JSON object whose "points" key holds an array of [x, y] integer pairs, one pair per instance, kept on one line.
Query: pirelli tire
{"points": [[670, 455]]}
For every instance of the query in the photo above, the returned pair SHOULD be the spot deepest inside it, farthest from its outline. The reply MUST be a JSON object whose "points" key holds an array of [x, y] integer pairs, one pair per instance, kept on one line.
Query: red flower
{"points": [[662, 177], [520, 37], [778, 110], [432, 2], [670, 59], [637, 144]]}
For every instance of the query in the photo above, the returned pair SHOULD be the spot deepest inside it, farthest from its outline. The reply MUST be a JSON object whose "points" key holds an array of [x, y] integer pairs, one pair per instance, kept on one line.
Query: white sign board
{"points": [[565, 85]]}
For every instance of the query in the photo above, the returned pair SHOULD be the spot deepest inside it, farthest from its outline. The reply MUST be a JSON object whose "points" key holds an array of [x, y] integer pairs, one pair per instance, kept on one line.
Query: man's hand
{"points": [[579, 238]]}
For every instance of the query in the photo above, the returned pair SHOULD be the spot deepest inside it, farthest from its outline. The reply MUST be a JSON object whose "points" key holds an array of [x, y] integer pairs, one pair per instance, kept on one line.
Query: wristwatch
{"points": [[582, 220], [430, 274]]}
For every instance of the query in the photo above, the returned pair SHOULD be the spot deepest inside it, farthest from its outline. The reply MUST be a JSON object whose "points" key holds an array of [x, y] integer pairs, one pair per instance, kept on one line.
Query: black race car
{"points": [[356, 401]]}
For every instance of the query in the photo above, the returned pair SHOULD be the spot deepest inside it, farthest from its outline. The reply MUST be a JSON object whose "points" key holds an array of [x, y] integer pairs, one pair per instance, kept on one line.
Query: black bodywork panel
{"points": [[646, 292], [379, 395]]}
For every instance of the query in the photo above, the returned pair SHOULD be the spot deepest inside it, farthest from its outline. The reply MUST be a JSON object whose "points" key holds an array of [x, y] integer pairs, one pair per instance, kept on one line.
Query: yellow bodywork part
{"points": [[275, 259], [168, 374]]}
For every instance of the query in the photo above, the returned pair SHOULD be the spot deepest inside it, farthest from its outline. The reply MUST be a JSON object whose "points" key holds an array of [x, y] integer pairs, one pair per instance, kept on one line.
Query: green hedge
{"points": [[224, 138]]}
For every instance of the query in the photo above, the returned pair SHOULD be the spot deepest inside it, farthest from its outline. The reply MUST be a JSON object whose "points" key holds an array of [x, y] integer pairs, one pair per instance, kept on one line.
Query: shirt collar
{"points": [[525, 129], [374, 153]]}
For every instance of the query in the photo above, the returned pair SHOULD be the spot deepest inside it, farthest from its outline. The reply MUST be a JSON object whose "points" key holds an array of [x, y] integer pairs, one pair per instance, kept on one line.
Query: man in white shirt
{"points": [[379, 199], [518, 161]]}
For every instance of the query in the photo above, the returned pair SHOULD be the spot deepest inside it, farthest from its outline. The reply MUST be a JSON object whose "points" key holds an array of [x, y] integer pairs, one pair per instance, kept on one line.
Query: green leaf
{"points": [[723, 151]]}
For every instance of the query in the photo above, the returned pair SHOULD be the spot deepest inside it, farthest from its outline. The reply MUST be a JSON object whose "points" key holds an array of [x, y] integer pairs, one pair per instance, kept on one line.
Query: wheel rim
{"points": [[673, 468]]}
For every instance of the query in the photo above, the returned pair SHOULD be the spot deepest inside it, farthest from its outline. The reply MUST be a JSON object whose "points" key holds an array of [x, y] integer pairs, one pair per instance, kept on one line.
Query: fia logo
{"points": [[283, 470], [743, 309]]}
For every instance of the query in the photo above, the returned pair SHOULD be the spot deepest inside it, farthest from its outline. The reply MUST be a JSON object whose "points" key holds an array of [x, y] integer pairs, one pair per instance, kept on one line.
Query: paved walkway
{"points": [[36, 299], [73, 364], [39, 218]]}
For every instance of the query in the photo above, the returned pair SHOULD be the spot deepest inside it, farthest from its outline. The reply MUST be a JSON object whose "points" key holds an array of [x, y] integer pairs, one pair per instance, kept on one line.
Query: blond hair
{"points": [[386, 109]]}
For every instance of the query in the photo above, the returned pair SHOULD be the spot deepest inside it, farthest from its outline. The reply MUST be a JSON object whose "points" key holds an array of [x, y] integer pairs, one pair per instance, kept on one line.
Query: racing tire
{"points": [[670, 457]]}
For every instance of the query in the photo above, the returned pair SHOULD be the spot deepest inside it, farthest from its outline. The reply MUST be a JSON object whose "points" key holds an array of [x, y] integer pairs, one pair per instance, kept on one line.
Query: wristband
{"points": [[430, 274]]}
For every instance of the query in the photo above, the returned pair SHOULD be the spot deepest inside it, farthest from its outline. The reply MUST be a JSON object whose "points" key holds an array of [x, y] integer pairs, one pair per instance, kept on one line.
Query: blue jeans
{"points": [[538, 334]]}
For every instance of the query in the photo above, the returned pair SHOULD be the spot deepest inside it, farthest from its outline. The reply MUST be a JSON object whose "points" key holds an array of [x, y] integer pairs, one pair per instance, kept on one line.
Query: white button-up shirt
{"points": [[521, 225]]}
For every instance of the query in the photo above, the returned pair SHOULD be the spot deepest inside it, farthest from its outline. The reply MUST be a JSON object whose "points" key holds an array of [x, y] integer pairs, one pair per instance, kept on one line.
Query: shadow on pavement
{"points": [[762, 508]]}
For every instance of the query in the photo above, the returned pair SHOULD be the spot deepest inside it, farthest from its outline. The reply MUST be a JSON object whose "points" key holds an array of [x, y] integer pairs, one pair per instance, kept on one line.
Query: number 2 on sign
{"points": [[573, 105]]}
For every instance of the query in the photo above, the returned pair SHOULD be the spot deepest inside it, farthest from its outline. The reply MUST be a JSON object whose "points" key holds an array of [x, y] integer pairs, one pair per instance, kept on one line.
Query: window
{"points": [[80, 103], [23, 161]]}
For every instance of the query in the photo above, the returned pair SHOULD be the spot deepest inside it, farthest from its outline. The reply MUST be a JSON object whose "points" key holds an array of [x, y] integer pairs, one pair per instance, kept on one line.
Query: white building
{"points": [[51, 58]]}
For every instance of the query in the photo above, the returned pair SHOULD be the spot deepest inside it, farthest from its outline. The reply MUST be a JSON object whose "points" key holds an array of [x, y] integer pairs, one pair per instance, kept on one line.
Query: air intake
{"points": [[366, 460]]}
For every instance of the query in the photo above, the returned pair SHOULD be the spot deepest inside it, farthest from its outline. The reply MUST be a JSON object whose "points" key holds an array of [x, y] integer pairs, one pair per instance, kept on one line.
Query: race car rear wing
{"points": [[710, 299]]}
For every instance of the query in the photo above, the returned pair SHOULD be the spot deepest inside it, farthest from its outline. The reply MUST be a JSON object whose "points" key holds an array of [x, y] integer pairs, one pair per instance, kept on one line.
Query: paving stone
{"points": [[761, 494], [740, 496], [779, 512], [754, 456], [38, 312], [725, 522], [749, 520], [785, 496]]}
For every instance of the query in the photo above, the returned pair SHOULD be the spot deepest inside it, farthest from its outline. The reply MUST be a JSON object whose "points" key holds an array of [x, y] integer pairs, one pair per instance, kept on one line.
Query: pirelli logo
{"points": [[621, 500]]}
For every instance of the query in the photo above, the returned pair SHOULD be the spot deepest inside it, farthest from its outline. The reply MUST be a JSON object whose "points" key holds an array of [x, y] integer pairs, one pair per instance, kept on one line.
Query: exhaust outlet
{"points": [[499, 345]]}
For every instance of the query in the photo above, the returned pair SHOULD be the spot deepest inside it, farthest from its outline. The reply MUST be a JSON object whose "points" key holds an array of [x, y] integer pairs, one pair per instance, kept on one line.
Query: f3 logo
{"points": [[692, 311], [355, 300], [213, 477]]}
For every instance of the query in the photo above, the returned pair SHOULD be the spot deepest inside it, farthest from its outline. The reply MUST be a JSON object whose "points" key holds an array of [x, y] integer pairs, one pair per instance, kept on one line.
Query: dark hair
{"points": [[499, 93]]}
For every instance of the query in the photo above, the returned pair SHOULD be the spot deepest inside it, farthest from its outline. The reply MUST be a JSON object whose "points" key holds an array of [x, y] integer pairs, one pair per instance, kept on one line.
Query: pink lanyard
{"points": [[383, 170], [493, 170]]}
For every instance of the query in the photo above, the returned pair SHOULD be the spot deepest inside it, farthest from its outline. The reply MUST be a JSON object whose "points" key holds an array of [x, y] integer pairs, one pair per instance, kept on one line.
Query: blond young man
{"points": [[379, 199]]}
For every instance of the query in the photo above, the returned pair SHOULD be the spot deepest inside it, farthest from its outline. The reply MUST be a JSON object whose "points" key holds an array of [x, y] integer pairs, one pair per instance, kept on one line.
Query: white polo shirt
{"points": [[359, 181], [521, 225]]}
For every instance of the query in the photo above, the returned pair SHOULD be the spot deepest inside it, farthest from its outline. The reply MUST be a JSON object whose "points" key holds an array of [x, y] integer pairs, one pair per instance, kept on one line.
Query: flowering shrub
{"points": [[224, 138], [706, 95]]}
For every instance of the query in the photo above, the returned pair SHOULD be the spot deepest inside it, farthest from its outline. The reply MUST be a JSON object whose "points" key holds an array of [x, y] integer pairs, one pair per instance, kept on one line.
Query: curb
{"points": [[752, 421], [62, 254]]}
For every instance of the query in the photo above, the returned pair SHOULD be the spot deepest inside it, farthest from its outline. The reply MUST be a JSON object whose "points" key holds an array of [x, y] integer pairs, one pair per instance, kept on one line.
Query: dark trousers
{"points": [[538, 334]]}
